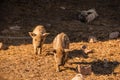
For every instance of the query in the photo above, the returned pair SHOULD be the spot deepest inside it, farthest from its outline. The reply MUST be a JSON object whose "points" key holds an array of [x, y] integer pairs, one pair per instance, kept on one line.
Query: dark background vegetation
{"points": [[29, 13], [18, 62]]}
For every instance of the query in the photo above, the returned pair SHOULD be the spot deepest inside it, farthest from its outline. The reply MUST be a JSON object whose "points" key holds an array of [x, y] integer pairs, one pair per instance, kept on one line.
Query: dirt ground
{"points": [[17, 60]]}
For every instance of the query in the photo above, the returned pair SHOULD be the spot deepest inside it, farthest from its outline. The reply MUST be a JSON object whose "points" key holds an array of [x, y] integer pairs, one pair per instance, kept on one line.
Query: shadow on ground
{"points": [[99, 68], [77, 53]]}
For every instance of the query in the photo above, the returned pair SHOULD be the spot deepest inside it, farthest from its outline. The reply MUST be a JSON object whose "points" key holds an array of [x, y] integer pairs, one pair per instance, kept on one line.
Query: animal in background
{"points": [[61, 48], [38, 37], [87, 16]]}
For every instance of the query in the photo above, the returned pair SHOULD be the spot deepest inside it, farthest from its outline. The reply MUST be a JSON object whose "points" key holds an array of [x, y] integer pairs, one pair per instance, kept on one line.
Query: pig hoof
{"points": [[58, 71]]}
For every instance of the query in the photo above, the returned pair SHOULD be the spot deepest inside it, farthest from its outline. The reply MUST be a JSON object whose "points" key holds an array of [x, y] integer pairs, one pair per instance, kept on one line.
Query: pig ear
{"points": [[32, 34], [46, 34], [67, 50], [53, 50]]}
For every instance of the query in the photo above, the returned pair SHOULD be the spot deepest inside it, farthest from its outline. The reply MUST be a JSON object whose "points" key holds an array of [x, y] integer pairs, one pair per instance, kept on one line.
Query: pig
{"points": [[87, 16], [61, 49], [38, 37]]}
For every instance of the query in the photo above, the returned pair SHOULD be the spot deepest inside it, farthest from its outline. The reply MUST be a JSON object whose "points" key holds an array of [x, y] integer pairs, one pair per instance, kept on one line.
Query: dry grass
{"points": [[18, 62]]}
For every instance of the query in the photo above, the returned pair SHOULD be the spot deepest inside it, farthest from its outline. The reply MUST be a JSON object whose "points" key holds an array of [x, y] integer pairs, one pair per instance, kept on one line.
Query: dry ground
{"points": [[17, 60]]}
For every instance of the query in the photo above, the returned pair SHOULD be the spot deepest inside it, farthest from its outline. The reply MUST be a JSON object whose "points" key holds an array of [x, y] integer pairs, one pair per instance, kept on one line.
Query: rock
{"points": [[90, 28], [1, 45], [62, 7], [48, 25], [12, 29], [85, 50], [84, 69], [16, 28], [92, 39], [87, 16], [5, 31], [88, 51], [105, 63], [114, 35], [78, 77]]}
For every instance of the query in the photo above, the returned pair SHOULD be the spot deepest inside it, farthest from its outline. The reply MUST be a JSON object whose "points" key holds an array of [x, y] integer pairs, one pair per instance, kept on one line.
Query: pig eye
{"points": [[54, 51], [35, 39]]}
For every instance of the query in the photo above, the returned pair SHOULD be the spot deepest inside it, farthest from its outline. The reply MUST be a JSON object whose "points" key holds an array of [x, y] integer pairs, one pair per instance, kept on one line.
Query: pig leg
{"points": [[39, 50], [56, 63], [65, 59], [35, 50], [57, 68]]}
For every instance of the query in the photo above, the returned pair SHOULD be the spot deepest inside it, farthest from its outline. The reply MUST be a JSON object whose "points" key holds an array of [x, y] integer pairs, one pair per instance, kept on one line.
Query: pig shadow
{"points": [[74, 54], [99, 68], [77, 53]]}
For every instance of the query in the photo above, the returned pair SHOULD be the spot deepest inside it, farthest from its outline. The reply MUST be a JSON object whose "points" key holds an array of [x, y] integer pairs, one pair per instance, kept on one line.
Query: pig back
{"points": [[39, 29], [61, 41]]}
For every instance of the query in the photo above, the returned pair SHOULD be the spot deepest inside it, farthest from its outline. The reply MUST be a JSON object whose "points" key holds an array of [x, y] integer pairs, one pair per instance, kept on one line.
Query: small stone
{"points": [[62, 7], [90, 28], [88, 51], [48, 25], [84, 69], [114, 35], [15, 28], [92, 39], [105, 63], [78, 77], [1, 45], [5, 31]]}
